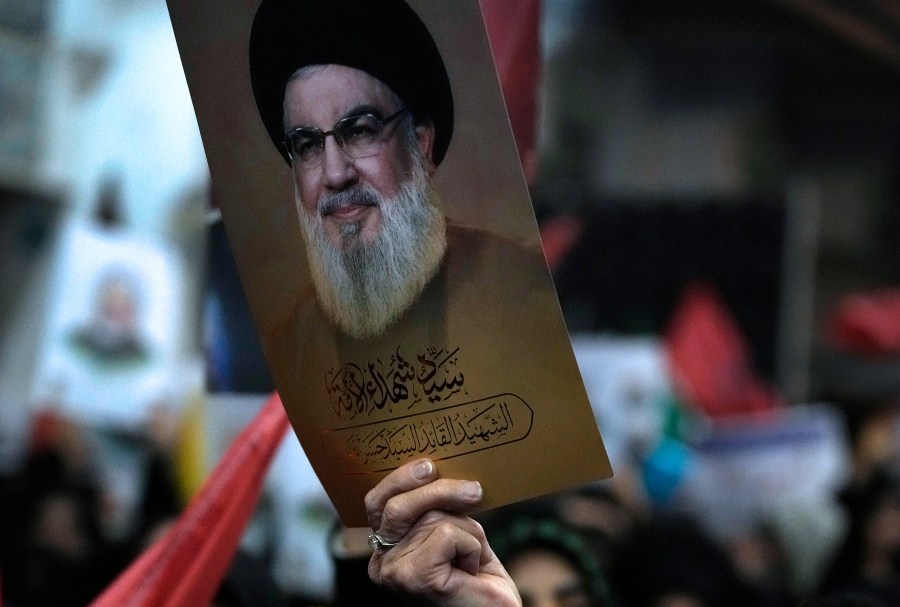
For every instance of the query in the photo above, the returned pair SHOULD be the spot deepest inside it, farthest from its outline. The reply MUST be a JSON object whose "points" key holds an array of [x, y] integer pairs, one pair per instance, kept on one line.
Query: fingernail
{"points": [[423, 470], [473, 490]]}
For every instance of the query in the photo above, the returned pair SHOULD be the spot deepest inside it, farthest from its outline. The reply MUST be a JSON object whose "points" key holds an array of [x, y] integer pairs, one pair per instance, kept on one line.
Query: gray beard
{"points": [[363, 288]]}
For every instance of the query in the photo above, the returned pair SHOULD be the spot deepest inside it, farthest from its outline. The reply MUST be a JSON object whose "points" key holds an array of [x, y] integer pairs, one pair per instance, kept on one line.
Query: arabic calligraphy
{"points": [[361, 389], [440, 434]]}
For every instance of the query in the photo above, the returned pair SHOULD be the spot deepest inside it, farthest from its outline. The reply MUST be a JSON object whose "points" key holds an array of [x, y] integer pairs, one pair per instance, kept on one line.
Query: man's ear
{"points": [[425, 141]]}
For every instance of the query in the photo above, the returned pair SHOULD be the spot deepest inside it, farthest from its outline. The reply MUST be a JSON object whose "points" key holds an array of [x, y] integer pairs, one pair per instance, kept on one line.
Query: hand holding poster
{"points": [[386, 242]]}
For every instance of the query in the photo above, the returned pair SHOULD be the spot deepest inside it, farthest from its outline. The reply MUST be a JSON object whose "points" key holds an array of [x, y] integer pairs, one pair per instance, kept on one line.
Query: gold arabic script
{"points": [[441, 434], [362, 389]]}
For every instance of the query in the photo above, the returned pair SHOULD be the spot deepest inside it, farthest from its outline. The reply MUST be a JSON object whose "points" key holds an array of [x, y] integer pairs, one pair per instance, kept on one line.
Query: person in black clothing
{"points": [[867, 566]]}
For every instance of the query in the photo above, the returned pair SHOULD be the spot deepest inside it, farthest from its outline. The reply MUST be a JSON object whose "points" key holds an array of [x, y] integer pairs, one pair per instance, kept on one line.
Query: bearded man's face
{"points": [[374, 231]]}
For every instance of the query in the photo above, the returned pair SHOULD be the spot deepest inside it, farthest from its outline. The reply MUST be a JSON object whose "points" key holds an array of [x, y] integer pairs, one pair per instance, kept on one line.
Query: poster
{"points": [[470, 364]]}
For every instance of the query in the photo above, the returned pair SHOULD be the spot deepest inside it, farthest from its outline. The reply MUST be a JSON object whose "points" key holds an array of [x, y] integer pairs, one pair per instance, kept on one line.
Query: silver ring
{"points": [[379, 543]]}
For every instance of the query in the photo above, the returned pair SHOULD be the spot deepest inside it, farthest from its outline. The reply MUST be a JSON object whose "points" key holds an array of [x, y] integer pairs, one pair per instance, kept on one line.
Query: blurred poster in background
{"points": [[112, 359], [110, 351]]}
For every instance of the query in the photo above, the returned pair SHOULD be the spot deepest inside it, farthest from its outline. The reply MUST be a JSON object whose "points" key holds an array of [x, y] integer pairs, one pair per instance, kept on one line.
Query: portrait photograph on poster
{"points": [[371, 191]]}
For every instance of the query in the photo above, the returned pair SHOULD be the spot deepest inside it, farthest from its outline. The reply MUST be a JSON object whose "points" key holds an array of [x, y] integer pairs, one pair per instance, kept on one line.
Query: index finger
{"points": [[406, 494], [405, 478]]}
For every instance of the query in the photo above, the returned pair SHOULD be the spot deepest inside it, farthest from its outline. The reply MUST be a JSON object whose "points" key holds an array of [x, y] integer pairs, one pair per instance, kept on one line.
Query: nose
{"points": [[340, 172]]}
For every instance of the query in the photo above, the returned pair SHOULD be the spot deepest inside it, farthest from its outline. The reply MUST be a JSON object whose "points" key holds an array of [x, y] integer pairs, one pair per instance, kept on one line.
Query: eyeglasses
{"points": [[359, 136]]}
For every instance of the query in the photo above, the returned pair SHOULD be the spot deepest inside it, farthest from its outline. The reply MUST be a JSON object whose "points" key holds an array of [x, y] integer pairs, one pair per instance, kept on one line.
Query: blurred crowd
{"points": [[69, 527], [64, 537], [66, 533]]}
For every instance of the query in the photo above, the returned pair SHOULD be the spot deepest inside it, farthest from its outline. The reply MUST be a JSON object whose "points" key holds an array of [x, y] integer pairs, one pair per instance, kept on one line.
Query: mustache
{"points": [[354, 197]]}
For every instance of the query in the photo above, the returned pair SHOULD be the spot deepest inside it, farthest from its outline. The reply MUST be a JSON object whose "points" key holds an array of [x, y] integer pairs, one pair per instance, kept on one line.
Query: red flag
{"points": [[867, 323], [709, 359], [513, 30], [185, 567], [559, 235]]}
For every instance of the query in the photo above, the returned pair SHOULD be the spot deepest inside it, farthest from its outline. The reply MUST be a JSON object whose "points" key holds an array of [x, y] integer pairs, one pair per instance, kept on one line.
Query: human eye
{"points": [[306, 143], [359, 129]]}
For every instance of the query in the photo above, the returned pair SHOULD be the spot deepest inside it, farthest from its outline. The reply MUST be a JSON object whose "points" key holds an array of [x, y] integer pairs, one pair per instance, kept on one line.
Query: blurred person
{"points": [[63, 540], [160, 500], [670, 561], [875, 436], [847, 599], [761, 562], [63, 562], [53, 552], [158, 503], [248, 583], [868, 562], [602, 515], [49, 468], [61, 458], [551, 564]]}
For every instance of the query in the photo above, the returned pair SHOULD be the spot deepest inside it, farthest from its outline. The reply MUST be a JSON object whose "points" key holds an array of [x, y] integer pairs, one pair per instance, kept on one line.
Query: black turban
{"points": [[384, 38]]}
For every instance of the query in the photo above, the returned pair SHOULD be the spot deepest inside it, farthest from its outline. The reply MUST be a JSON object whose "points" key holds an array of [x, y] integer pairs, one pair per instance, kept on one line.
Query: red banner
{"points": [[513, 27]]}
